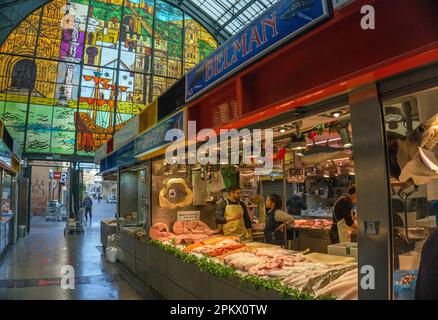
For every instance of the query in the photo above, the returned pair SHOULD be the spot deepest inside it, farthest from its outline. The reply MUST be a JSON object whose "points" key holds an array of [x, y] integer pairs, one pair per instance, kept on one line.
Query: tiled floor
{"points": [[32, 268]]}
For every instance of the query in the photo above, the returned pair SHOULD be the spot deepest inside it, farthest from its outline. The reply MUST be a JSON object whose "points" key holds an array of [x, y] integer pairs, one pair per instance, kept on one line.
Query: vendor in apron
{"points": [[233, 216], [344, 220]]}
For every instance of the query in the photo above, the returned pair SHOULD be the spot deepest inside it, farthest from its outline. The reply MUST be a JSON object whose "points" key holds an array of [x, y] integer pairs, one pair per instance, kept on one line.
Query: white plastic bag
{"points": [[112, 241], [111, 254]]}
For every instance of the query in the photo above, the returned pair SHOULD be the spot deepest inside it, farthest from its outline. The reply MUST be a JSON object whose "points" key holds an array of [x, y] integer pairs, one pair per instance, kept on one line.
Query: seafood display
{"points": [[292, 268], [313, 223], [183, 232]]}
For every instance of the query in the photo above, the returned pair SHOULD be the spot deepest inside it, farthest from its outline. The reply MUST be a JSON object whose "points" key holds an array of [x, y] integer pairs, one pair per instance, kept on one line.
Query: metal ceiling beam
{"points": [[210, 24], [16, 11], [236, 15]]}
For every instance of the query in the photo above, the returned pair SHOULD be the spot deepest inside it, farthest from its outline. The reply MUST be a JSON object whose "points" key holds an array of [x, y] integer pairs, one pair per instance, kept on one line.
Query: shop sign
{"points": [[127, 133], [280, 23], [188, 215], [155, 138]]}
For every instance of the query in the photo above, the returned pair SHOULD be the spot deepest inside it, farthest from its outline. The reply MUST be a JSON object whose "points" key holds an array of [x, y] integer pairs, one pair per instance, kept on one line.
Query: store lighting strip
{"points": [[324, 142]]}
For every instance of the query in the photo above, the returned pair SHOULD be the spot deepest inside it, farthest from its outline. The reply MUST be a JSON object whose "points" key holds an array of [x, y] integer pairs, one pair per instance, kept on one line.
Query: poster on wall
{"points": [[282, 22]]}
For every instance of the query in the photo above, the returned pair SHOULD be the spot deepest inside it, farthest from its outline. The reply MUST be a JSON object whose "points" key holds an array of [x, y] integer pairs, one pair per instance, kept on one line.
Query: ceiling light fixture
{"points": [[336, 114], [298, 142]]}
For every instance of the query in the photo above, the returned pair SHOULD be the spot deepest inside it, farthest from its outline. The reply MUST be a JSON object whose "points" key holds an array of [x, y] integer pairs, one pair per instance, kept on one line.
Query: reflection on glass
{"points": [[412, 133], [6, 192]]}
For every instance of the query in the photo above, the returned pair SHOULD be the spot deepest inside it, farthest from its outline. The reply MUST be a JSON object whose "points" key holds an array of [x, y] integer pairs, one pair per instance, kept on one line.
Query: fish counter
{"points": [[220, 267]]}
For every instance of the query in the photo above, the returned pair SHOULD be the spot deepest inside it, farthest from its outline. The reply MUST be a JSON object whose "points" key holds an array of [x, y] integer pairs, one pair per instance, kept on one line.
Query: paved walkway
{"points": [[32, 268]]}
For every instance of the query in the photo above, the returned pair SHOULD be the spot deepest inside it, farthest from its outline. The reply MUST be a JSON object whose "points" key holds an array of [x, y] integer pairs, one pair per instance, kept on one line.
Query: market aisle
{"points": [[32, 269]]}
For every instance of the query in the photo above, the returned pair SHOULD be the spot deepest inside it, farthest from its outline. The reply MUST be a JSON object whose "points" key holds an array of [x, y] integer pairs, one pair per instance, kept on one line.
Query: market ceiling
{"points": [[221, 18]]}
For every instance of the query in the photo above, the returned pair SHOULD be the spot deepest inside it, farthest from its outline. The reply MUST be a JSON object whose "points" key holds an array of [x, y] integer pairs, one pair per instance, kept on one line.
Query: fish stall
{"points": [[346, 166]]}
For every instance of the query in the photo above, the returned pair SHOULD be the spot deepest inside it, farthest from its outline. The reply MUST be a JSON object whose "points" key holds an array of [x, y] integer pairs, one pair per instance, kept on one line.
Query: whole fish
{"points": [[295, 10]]}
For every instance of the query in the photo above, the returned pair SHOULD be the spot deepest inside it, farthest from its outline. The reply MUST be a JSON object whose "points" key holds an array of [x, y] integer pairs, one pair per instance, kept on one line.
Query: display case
{"points": [[7, 214]]}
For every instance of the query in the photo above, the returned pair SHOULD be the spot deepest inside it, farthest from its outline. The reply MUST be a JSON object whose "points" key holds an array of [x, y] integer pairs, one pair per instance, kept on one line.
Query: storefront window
{"points": [[6, 193], [412, 125], [305, 202]]}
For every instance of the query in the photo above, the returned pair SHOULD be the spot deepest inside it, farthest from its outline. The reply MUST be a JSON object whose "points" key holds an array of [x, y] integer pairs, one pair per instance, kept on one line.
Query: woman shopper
{"points": [[275, 218]]}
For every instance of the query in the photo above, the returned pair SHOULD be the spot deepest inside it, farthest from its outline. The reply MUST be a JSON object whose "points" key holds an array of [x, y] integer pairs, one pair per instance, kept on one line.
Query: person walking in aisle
{"points": [[88, 205]]}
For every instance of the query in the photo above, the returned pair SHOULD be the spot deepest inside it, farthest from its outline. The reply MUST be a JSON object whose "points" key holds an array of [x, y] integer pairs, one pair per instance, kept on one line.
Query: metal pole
{"points": [[284, 199], [373, 193]]}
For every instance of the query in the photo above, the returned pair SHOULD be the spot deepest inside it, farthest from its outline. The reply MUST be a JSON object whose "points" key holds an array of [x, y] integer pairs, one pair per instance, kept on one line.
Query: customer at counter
{"points": [[233, 215], [344, 219], [275, 218], [295, 204]]}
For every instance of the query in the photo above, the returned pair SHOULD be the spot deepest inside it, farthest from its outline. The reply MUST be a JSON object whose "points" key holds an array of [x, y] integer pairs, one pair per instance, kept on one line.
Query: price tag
{"points": [[188, 215]]}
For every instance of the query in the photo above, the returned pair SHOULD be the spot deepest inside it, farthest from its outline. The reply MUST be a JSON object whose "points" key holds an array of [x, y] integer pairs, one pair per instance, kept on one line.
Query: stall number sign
{"points": [[188, 215]]}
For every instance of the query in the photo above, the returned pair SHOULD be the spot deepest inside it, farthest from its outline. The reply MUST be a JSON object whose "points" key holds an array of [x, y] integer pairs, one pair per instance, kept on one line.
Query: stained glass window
{"points": [[73, 72]]}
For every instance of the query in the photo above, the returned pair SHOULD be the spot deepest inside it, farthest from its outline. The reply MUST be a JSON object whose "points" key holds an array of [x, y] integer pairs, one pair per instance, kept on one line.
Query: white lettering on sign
{"points": [[188, 215]]}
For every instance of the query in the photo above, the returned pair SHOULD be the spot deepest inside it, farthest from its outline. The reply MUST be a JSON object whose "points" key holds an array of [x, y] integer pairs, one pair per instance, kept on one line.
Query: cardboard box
{"points": [[409, 261]]}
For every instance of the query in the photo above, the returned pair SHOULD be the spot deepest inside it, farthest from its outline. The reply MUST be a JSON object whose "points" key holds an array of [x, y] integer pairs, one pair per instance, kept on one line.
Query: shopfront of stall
{"points": [[9, 169], [349, 100], [346, 107]]}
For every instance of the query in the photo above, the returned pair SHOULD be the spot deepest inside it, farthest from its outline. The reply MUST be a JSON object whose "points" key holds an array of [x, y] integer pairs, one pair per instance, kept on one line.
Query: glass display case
{"points": [[411, 124], [134, 196], [7, 214]]}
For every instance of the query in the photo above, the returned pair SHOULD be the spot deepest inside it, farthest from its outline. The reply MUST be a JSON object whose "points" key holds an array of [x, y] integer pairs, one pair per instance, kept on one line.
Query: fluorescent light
{"points": [[324, 142]]}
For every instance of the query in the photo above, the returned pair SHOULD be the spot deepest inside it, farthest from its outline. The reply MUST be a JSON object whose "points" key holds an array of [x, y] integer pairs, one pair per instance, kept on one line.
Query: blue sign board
{"points": [[154, 138], [283, 21]]}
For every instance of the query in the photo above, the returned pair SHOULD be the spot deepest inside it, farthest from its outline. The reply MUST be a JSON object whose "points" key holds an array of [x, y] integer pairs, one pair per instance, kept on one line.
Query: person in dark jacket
{"points": [[275, 218], [295, 204], [427, 279], [88, 205]]}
